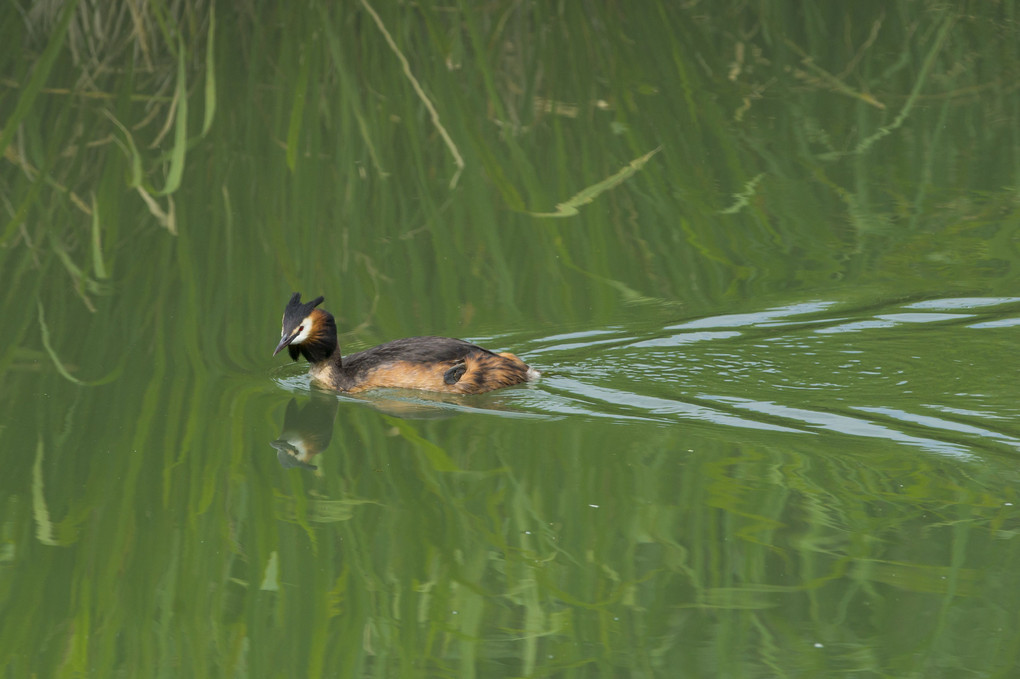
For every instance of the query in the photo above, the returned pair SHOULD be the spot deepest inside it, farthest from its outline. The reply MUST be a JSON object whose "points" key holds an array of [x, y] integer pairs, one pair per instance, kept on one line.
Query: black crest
{"points": [[296, 311]]}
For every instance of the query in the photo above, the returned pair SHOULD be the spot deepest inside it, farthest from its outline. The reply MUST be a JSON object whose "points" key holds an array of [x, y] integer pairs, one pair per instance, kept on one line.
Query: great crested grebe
{"points": [[426, 363]]}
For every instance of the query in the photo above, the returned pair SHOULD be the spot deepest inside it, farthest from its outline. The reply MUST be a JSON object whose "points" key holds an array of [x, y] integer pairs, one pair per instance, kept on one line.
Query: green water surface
{"points": [[766, 255]]}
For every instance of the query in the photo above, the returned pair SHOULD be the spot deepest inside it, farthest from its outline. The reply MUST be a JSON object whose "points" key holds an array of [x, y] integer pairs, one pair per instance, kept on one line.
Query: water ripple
{"points": [[867, 371]]}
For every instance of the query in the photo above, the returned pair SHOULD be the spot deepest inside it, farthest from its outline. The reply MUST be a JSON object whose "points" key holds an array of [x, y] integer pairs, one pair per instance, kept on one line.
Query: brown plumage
{"points": [[428, 363]]}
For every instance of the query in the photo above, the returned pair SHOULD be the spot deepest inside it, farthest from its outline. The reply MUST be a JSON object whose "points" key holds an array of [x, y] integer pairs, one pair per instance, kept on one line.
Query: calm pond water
{"points": [[767, 259]]}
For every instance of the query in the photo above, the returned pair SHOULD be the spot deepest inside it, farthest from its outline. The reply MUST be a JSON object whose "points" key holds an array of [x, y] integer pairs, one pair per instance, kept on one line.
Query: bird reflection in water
{"points": [[307, 431]]}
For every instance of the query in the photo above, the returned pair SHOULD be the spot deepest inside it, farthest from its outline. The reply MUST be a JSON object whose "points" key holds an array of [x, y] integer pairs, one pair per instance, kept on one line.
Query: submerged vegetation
{"points": [[117, 113], [171, 171]]}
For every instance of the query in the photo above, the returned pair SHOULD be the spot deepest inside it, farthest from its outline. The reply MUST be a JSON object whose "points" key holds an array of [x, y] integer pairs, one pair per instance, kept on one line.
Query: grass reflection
{"points": [[721, 471]]}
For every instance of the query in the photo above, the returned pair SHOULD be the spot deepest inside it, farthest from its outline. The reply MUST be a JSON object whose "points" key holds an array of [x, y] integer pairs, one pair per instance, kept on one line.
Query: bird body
{"points": [[440, 364]]}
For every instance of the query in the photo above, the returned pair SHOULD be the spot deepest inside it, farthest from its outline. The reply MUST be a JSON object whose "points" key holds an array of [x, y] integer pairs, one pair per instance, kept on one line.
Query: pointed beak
{"points": [[284, 341]]}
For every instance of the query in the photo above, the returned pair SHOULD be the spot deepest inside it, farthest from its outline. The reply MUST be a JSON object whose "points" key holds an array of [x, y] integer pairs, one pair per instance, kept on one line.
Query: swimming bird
{"points": [[427, 363]]}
